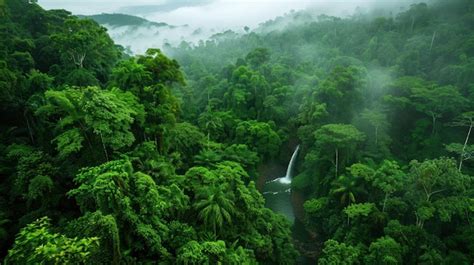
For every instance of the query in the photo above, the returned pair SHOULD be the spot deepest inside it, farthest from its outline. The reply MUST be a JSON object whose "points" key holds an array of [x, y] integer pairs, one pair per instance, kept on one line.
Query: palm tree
{"points": [[215, 207], [347, 188]]}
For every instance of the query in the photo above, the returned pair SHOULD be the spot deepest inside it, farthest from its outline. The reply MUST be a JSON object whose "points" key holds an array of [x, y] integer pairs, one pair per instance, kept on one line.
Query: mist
{"points": [[192, 21], [217, 13]]}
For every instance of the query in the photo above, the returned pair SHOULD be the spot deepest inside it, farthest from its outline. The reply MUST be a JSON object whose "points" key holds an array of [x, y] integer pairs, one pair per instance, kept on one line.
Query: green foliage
{"points": [[384, 250], [339, 253], [437, 184], [339, 138], [36, 243], [259, 136], [159, 168], [191, 253], [162, 69], [437, 101], [34, 174], [314, 206], [113, 188], [347, 188], [130, 75], [69, 142], [340, 92], [106, 115], [186, 139], [105, 229], [338, 135], [84, 44], [359, 209], [215, 207]]}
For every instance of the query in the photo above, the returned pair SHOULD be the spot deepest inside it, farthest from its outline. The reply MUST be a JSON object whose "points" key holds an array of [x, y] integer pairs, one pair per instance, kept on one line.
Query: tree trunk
{"points": [[29, 128], [89, 143], [433, 117], [79, 61], [376, 134], [432, 41], [419, 222], [384, 202], [464, 146], [103, 146], [208, 138], [337, 160]]}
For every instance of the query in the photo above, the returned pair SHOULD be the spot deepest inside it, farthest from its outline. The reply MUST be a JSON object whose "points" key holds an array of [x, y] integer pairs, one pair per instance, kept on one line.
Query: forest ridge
{"points": [[112, 158]]}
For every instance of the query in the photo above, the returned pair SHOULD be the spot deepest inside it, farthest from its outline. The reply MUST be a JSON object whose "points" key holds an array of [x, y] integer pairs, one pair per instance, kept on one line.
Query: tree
{"points": [[103, 227], [437, 101], [130, 75], [246, 93], [258, 56], [191, 253], [347, 188], [341, 93], [185, 139], [162, 69], [211, 123], [389, 178], [465, 152], [465, 120], [315, 207], [215, 207], [384, 250], [106, 114], [36, 243], [437, 186], [81, 77], [259, 136], [377, 119], [34, 178], [337, 137], [338, 253], [83, 42], [359, 210], [134, 200]]}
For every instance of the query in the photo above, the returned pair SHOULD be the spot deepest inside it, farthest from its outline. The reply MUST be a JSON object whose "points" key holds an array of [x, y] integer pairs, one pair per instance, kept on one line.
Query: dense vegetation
{"points": [[382, 106], [107, 158]]}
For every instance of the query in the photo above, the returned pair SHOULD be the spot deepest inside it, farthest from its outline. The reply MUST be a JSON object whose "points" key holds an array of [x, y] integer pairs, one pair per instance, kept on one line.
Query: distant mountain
{"points": [[137, 34], [121, 20], [167, 6]]}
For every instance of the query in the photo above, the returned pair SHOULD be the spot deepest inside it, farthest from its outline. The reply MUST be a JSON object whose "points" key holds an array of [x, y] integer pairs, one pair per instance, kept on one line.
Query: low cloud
{"points": [[199, 19]]}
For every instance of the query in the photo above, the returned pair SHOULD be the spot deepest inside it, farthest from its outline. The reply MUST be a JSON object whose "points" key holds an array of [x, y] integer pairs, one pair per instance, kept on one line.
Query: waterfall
{"points": [[287, 178]]}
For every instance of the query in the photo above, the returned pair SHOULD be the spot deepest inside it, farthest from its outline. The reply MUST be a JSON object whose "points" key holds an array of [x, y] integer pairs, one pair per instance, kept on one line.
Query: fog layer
{"points": [[198, 20]]}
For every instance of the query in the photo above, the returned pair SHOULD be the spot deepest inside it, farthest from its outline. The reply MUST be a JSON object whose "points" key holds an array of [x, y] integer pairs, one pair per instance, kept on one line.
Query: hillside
{"points": [[120, 20]]}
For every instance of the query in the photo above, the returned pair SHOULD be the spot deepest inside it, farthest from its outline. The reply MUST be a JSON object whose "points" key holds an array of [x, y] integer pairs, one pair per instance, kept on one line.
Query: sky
{"points": [[219, 13]]}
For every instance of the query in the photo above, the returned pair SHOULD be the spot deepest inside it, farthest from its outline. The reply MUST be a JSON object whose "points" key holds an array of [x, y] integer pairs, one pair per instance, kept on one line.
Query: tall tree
{"points": [[437, 101], [80, 114], [85, 44], [435, 185], [338, 137], [465, 120]]}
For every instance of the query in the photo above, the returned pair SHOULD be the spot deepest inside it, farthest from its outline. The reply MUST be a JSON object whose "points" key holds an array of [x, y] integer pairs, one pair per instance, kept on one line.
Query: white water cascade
{"points": [[287, 178], [277, 192]]}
